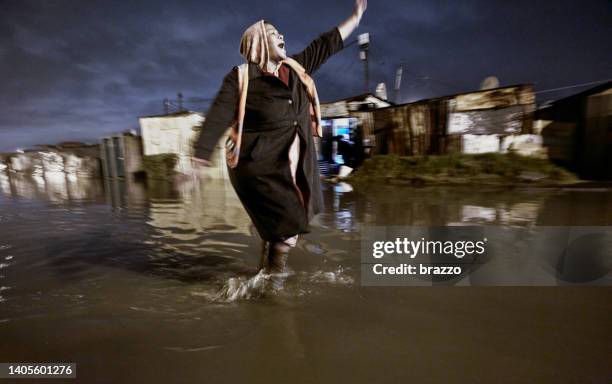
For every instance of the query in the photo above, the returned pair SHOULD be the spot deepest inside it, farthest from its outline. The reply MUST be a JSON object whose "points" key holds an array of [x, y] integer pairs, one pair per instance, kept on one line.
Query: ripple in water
{"points": [[337, 277]]}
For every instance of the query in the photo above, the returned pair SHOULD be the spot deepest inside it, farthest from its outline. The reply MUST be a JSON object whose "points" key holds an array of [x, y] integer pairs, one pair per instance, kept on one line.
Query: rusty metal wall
{"points": [[367, 123], [434, 126], [411, 129], [596, 138], [500, 111]]}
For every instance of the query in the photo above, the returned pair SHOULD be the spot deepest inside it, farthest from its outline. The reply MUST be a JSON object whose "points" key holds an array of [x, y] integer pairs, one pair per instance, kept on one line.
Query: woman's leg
{"points": [[279, 250], [277, 260], [274, 254], [265, 252], [294, 160]]}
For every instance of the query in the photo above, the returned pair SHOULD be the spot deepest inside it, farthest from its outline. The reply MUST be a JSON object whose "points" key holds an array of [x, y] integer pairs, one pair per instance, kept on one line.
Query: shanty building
{"points": [[473, 122], [491, 120], [351, 117], [176, 133], [577, 132], [121, 155], [74, 159]]}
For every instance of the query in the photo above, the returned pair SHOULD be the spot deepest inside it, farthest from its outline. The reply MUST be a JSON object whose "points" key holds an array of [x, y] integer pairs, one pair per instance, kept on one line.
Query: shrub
{"points": [[460, 168], [160, 166]]}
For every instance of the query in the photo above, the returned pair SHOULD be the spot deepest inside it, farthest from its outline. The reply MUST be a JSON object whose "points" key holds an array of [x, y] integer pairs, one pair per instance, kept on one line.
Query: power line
{"points": [[573, 86], [426, 78]]}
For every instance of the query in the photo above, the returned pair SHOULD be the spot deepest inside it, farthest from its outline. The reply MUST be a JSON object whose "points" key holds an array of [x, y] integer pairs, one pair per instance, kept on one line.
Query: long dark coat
{"points": [[274, 114]]}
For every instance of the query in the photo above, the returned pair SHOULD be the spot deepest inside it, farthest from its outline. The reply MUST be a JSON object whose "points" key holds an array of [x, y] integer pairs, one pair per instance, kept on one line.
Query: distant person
{"points": [[345, 148], [358, 147], [272, 160]]}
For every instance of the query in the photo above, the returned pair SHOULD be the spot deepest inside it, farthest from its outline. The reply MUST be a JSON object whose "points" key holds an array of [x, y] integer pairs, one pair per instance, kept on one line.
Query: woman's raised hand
{"points": [[360, 7]]}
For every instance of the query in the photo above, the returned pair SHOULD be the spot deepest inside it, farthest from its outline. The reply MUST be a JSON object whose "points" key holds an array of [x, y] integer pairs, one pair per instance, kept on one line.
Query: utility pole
{"points": [[398, 83], [166, 106], [364, 43]]}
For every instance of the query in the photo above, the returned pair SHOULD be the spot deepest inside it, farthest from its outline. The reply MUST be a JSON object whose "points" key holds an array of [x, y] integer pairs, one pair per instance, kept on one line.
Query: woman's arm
{"points": [[219, 117], [330, 42], [349, 25]]}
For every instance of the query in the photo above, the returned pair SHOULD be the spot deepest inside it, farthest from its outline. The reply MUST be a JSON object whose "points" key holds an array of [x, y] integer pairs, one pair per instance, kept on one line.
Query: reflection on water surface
{"points": [[118, 275]]}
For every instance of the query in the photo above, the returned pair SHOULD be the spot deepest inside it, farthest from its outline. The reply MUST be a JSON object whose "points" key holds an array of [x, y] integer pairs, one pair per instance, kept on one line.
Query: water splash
{"points": [[242, 288], [262, 285], [339, 276]]}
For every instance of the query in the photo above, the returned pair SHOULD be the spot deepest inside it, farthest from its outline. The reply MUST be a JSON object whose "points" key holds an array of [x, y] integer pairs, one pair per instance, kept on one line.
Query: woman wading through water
{"points": [[272, 105]]}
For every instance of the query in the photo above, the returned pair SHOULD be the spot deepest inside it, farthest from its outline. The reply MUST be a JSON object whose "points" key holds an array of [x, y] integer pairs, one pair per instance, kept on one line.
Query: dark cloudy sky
{"points": [[78, 70]]}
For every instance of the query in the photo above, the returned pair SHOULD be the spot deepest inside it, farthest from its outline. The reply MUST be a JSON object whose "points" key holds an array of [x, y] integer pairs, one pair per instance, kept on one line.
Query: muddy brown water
{"points": [[149, 284]]}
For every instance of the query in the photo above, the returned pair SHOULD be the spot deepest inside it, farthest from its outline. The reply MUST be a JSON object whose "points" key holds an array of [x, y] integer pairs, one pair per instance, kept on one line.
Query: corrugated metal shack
{"points": [[176, 133], [351, 117], [75, 159], [472, 122], [121, 155], [359, 107], [464, 122], [172, 134], [577, 131]]}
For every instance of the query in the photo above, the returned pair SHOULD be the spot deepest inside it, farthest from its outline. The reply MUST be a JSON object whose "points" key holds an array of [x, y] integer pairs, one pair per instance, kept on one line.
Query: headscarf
{"points": [[254, 46]]}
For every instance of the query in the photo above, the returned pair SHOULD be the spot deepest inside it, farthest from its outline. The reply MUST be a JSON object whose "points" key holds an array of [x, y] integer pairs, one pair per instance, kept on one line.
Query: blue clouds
{"points": [[80, 70]]}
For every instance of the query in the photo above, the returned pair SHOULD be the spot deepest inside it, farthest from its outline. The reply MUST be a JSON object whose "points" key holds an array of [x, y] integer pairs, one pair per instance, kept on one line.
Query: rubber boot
{"points": [[277, 261], [279, 252], [265, 252]]}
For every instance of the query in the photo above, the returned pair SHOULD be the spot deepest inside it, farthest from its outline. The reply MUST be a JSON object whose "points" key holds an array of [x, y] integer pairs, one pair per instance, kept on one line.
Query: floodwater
{"points": [[154, 285]]}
